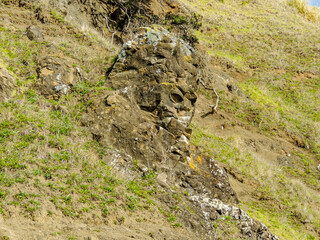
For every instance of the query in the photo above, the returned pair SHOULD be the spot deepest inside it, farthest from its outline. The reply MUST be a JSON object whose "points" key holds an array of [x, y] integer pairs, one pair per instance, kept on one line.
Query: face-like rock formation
{"points": [[162, 72], [148, 114]]}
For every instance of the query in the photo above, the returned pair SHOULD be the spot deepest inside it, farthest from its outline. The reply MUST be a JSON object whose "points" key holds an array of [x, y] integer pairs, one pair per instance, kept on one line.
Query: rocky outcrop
{"points": [[248, 226], [7, 84], [147, 116], [158, 72]]}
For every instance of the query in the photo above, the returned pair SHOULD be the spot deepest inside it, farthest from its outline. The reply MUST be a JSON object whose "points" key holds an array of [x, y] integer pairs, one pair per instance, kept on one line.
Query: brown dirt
{"points": [[137, 226]]}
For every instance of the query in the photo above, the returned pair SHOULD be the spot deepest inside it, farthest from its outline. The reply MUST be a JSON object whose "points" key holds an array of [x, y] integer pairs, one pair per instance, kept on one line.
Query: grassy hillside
{"points": [[271, 50], [265, 132], [50, 167]]}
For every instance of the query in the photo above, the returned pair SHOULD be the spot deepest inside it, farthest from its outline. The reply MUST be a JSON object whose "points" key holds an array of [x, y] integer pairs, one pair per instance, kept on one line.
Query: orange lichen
{"points": [[199, 160], [191, 164], [194, 164], [188, 58]]}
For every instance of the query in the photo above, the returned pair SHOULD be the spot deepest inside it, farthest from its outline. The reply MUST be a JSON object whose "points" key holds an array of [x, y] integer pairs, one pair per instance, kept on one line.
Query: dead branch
{"points": [[217, 101], [107, 23], [214, 107], [126, 12], [113, 36]]}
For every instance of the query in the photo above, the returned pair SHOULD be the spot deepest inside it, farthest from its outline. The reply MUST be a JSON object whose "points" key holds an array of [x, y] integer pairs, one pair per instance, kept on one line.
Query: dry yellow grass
{"points": [[311, 13]]}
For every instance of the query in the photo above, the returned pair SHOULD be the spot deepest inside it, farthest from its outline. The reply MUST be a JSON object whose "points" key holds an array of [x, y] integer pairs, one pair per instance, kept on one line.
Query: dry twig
{"points": [[214, 107]]}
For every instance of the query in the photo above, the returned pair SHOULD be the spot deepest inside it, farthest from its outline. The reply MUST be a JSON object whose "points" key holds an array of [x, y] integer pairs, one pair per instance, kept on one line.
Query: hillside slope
{"points": [[267, 127], [109, 141]]}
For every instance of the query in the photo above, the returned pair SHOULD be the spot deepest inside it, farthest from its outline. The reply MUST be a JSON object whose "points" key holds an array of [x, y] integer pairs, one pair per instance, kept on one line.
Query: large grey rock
{"points": [[249, 227], [162, 70]]}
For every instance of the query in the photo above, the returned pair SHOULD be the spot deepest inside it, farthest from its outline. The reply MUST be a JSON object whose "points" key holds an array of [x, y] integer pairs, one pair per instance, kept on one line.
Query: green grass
{"points": [[282, 103], [48, 150], [267, 35], [42, 143], [275, 44], [22, 55]]}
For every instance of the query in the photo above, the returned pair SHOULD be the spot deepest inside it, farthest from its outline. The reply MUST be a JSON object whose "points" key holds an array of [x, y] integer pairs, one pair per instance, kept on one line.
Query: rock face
{"points": [[159, 72], [7, 84], [163, 70], [249, 227]]}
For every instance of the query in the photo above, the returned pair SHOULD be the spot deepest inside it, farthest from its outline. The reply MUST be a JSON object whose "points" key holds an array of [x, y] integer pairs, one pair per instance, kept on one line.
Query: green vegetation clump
{"points": [[47, 160]]}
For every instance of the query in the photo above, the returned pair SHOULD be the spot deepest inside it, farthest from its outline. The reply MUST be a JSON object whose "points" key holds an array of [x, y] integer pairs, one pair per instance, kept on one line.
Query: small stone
{"points": [[175, 127], [34, 33], [91, 238], [162, 177], [144, 169], [55, 77]]}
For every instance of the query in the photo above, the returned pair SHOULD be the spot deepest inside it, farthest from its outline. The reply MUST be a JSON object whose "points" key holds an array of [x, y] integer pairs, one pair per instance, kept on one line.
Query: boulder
{"points": [[55, 77], [155, 78], [162, 69], [34, 33]]}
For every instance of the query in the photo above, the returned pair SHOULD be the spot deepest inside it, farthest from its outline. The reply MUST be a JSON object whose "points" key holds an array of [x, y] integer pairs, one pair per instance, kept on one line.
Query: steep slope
{"points": [[98, 145], [267, 127]]}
